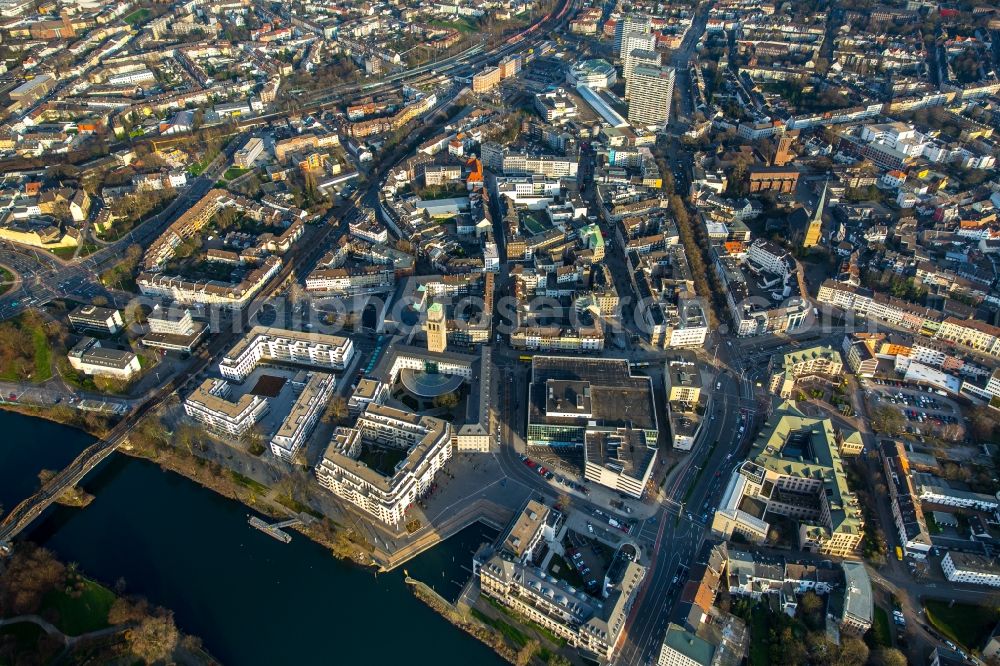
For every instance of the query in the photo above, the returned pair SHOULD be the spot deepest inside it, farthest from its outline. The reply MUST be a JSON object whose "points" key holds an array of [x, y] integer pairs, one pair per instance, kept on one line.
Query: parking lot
{"points": [[554, 469], [924, 411], [588, 557]]}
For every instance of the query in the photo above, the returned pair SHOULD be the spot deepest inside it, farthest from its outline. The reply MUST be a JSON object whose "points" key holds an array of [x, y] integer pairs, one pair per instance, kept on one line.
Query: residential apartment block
{"points": [[309, 405], [970, 568], [210, 404], [386, 496], [907, 512], [591, 626], [276, 345], [651, 91], [786, 370]]}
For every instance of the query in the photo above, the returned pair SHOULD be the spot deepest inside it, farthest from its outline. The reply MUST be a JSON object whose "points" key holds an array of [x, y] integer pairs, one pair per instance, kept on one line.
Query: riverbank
{"points": [[513, 637], [481, 632], [189, 548], [252, 494], [92, 423], [342, 543]]}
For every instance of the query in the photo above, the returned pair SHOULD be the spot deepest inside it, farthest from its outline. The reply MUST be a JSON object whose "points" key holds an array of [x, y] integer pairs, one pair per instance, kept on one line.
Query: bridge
{"points": [[24, 513]]}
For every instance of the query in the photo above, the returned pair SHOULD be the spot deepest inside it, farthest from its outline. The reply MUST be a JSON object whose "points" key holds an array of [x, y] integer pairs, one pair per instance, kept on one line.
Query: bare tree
{"points": [[336, 411], [154, 639]]}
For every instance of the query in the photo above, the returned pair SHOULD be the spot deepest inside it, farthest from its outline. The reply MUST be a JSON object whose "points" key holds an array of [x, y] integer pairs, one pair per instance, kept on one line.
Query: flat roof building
{"points": [[594, 74], [620, 460], [302, 418], [535, 523], [33, 89], [91, 318], [421, 371], [651, 92], [263, 343], [858, 609], [683, 648], [173, 329], [683, 377], [210, 404], [970, 568], [569, 396]]}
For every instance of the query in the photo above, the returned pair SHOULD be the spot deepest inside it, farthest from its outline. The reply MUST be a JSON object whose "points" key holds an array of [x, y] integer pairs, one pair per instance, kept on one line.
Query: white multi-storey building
{"points": [[170, 323], [94, 318], [630, 24], [620, 459], [693, 336], [938, 491], [651, 93], [125, 78], [632, 42], [90, 358], [303, 416], [427, 441], [771, 257], [173, 329], [347, 281], [969, 568], [248, 154], [210, 404], [279, 345]]}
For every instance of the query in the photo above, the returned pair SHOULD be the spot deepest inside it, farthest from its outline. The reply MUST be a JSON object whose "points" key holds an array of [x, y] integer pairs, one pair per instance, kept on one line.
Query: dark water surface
{"points": [[252, 599]]}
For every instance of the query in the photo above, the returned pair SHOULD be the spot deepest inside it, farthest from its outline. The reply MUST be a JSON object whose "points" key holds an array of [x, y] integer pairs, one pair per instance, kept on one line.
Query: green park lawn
{"points": [[881, 630], [247, 482], [138, 16], [6, 280], [966, 624], [81, 609], [232, 173], [464, 24], [42, 357]]}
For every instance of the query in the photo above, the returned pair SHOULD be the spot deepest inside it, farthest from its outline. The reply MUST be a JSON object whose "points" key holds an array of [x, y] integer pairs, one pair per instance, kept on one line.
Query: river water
{"points": [[252, 599]]}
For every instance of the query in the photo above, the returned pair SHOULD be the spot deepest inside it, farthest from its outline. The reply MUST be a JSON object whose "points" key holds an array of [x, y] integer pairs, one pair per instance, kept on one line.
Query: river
{"points": [[252, 599]]}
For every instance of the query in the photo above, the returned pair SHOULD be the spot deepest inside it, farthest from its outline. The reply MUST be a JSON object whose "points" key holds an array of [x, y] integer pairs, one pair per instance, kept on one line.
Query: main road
{"points": [[692, 491]]}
